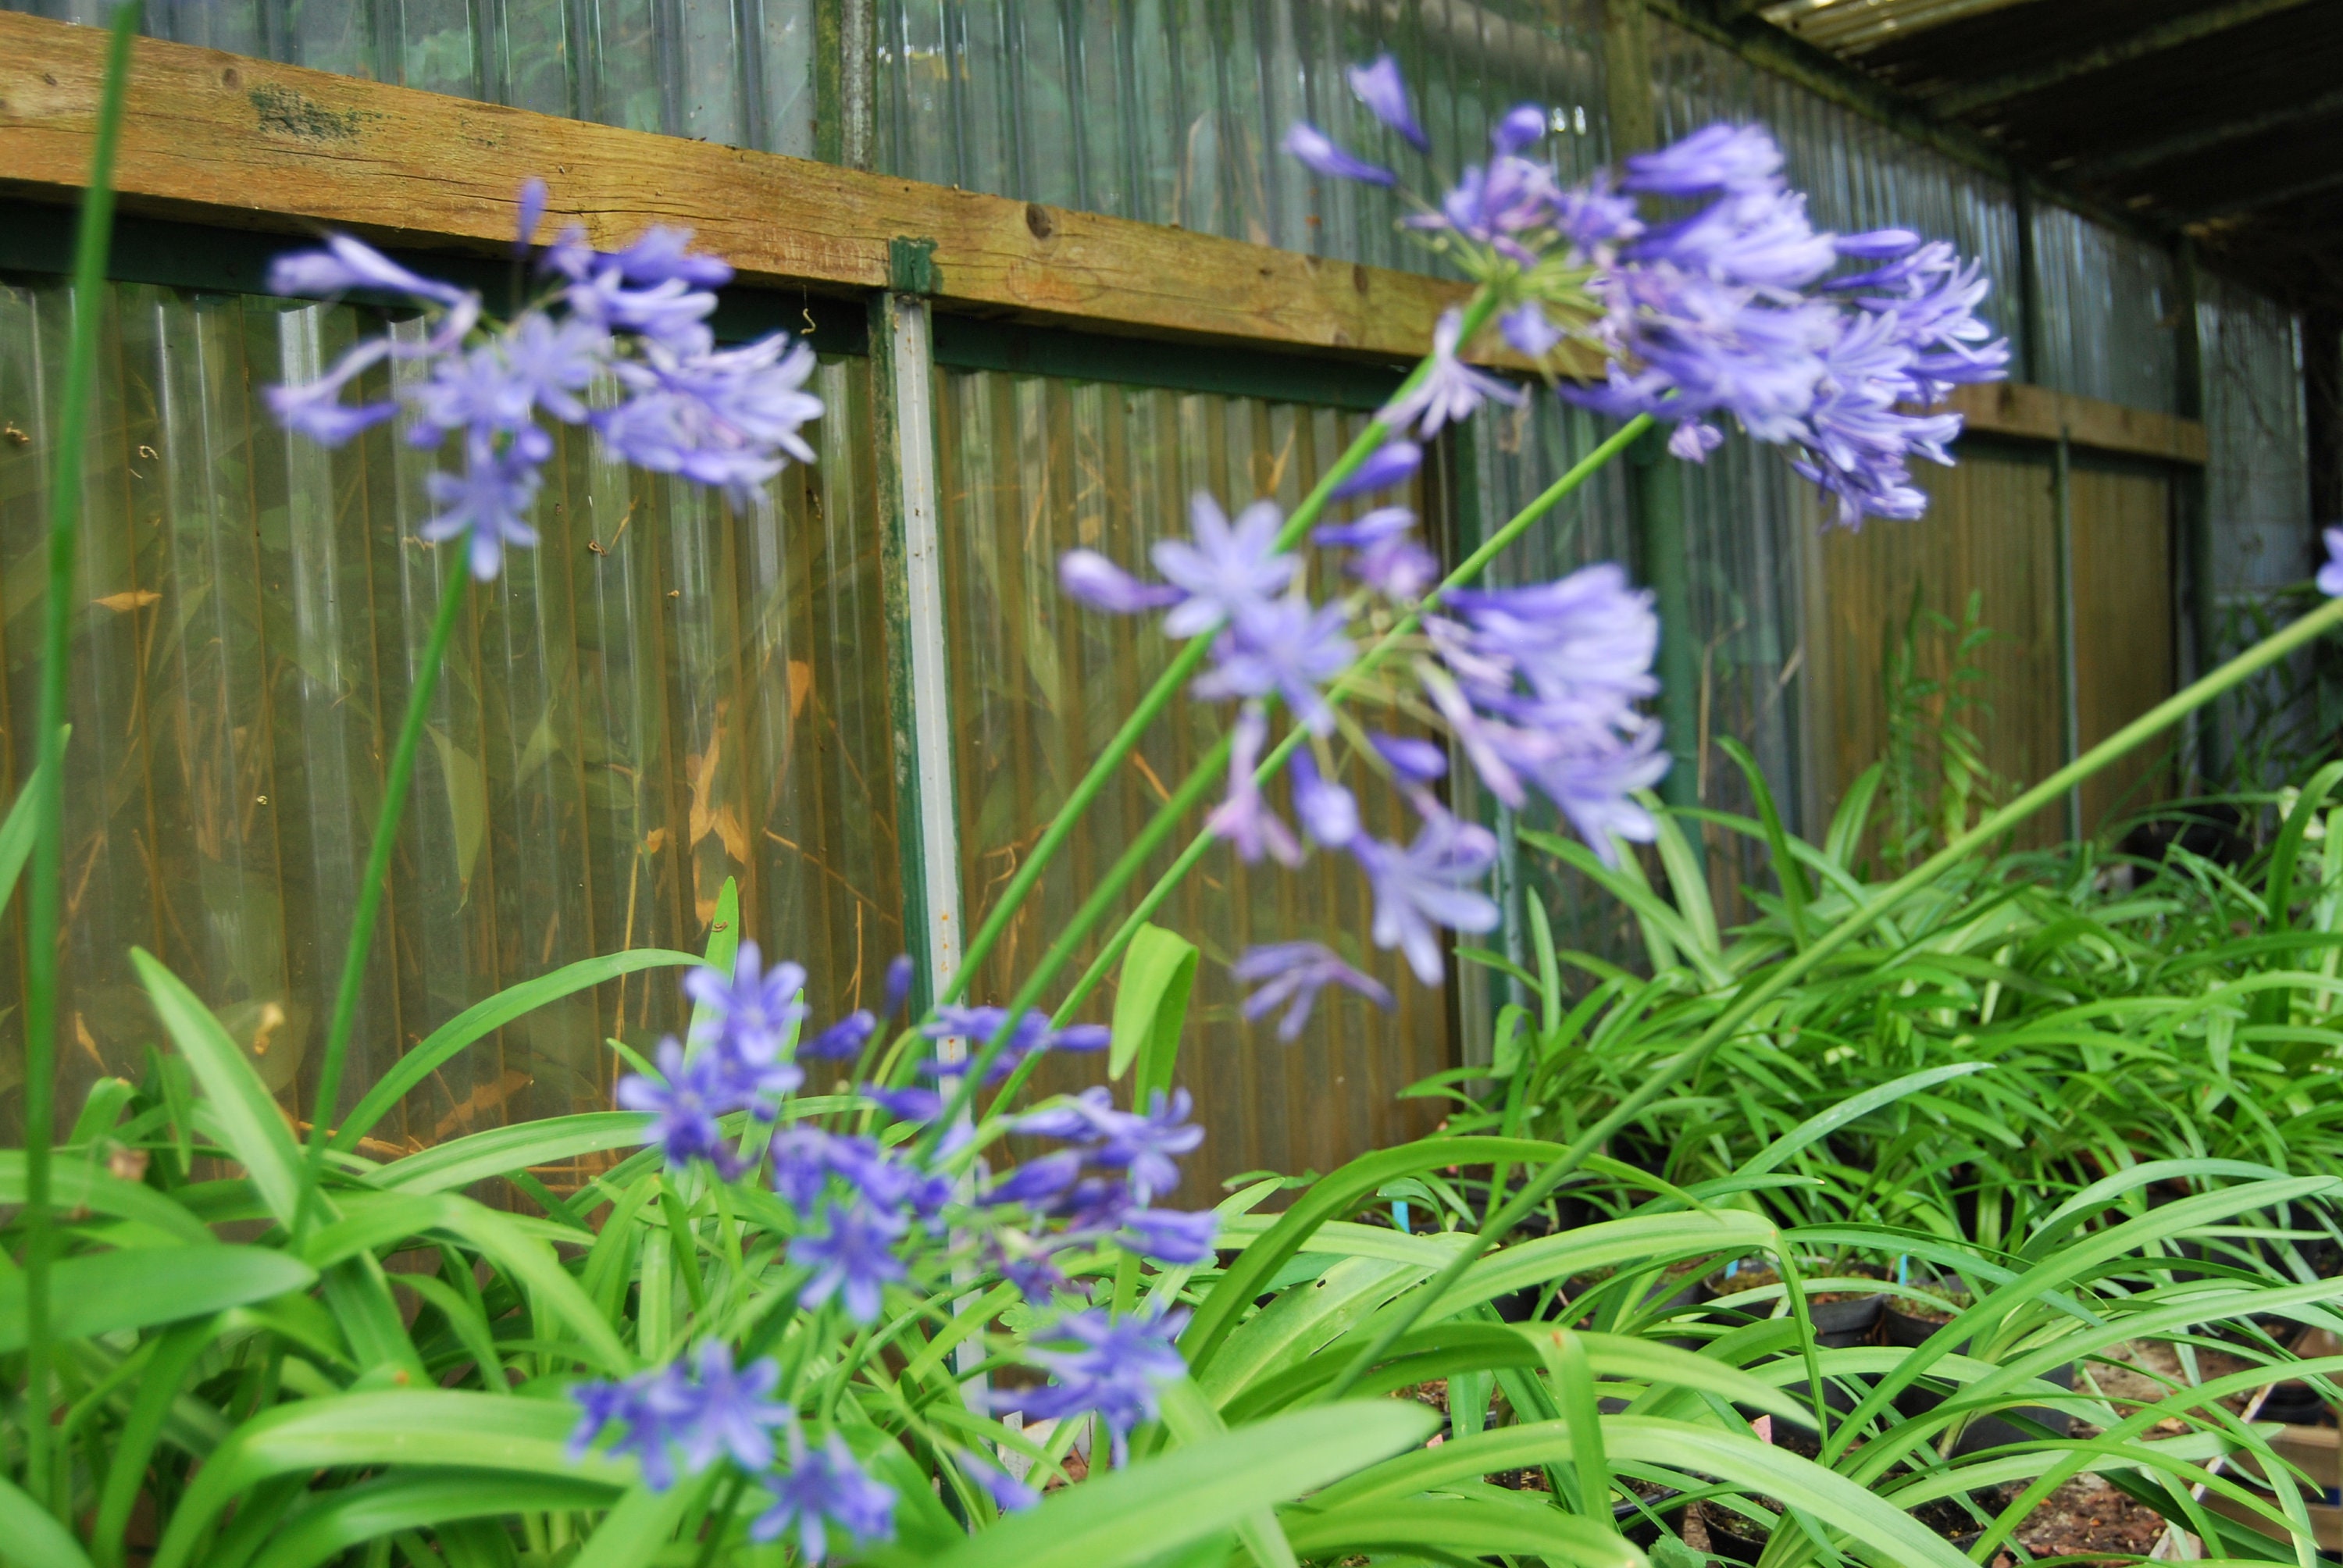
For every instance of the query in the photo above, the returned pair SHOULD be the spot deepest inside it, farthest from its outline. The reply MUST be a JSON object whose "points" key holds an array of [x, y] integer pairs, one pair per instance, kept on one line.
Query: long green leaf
{"points": [[461, 1162], [1130, 1515], [104, 1292], [16, 832], [255, 1127], [483, 1017], [415, 1500], [34, 1537], [1460, 1527], [75, 1183], [1150, 1005], [452, 1431]]}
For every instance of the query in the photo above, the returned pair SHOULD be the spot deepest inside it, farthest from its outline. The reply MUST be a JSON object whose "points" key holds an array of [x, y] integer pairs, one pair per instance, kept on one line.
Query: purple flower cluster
{"points": [[1728, 310], [1099, 1189], [855, 1252], [737, 1062], [1536, 685], [728, 418], [707, 1410], [1113, 1373]]}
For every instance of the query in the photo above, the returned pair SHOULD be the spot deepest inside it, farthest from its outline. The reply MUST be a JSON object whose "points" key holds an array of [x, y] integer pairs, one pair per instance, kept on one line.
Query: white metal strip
{"points": [[923, 597]]}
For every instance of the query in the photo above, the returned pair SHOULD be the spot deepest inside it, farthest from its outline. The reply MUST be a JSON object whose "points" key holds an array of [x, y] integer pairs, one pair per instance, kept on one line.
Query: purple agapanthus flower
{"points": [[825, 1492], [842, 1040], [1526, 329], [1113, 1375], [1244, 817], [752, 1009], [1384, 90], [900, 971], [1428, 884], [1316, 150], [1144, 1146], [1040, 1181], [1292, 974], [853, 1257], [725, 416], [2330, 574], [1416, 760], [1451, 390], [1089, 577], [1173, 1237], [1226, 571], [1329, 813], [1286, 647], [684, 1103], [1008, 1495], [1393, 463], [1718, 157], [653, 1410], [733, 1413], [1374, 528], [913, 1104]]}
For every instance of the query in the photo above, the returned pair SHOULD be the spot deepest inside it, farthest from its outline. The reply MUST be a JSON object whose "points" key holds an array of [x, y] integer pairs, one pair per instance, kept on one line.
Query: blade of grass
{"points": [[46, 900]]}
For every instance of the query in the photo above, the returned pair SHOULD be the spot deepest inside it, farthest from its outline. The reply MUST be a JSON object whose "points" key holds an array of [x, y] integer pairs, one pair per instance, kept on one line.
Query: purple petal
{"points": [[1314, 150]]}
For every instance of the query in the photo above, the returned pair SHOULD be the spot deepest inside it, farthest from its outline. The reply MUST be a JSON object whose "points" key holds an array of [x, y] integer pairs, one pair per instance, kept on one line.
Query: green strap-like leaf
{"points": [[644, 1521], [483, 1017], [104, 1292], [409, 1501], [75, 1182], [1129, 1516], [32, 1537], [1151, 1004], [437, 1427], [248, 1118], [1461, 1527], [461, 1162]]}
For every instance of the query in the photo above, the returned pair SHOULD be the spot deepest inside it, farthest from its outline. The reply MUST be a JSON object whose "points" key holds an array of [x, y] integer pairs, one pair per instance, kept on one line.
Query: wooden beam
{"points": [[2165, 149], [2170, 34], [228, 140], [2248, 199], [2028, 413]]}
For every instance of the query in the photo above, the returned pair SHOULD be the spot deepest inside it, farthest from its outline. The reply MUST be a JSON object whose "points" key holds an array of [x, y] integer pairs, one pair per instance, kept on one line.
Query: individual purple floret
{"points": [[822, 1494], [853, 1257], [1393, 463], [2330, 574], [1008, 1495], [1228, 571], [1036, 1181], [652, 1408], [1144, 1146], [752, 1009], [1427, 884], [733, 1413], [1451, 390], [1173, 1237], [684, 1103], [1316, 151], [1089, 577], [842, 1040], [1244, 817], [901, 971], [1286, 647], [1384, 90], [1113, 1375], [1329, 813], [1292, 974]]}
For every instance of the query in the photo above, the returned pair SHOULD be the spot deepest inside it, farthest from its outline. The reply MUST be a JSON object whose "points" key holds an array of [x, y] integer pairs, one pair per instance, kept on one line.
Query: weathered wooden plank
{"points": [[228, 139], [2038, 414]]}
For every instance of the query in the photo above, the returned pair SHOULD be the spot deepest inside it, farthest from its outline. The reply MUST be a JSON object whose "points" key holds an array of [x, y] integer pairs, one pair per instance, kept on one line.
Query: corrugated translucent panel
{"points": [[2258, 508], [667, 693], [1173, 111], [1032, 467], [2257, 481], [740, 71], [2110, 310], [1859, 174]]}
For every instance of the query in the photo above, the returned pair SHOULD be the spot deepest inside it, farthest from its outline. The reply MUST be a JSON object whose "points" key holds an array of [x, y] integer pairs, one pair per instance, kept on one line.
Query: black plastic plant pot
{"points": [[1731, 1537], [1569, 1213], [1839, 1321], [1639, 1518], [1982, 1431]]}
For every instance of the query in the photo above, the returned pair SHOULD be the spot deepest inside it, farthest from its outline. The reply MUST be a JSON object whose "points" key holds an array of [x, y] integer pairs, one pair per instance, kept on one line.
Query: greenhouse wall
{"points": [[689, 691]]}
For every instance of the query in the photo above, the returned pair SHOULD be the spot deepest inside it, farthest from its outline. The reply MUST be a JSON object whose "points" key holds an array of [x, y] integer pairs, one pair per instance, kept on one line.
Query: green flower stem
{"points": [[46, 929], [1471, 567], [377, 872], [1685, 1062], [1167, 686]]}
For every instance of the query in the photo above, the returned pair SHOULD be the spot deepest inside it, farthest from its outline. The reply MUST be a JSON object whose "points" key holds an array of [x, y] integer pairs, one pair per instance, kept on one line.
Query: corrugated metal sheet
{"points": [[1171, 111], [1032, 467], [740, 71], [2110, 310], [697, 695]]}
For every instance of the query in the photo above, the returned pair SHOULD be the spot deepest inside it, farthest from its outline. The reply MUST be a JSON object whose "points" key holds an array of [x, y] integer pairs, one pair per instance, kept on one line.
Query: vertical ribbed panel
{"points": [[741, 72], [2110, 308], [667, 692], [1171, 111], [1032, 467]]}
